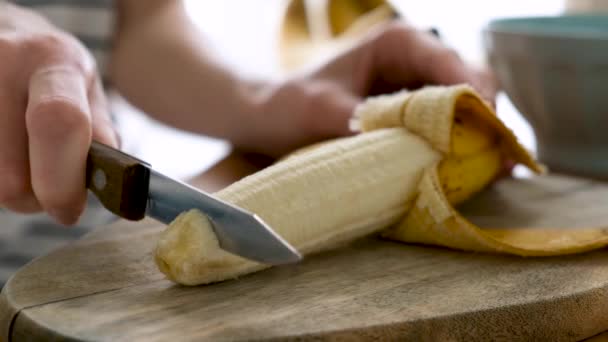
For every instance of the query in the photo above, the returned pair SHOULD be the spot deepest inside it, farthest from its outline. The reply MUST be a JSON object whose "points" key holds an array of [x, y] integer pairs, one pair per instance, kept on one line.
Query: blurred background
{"points": [[244, 34]]}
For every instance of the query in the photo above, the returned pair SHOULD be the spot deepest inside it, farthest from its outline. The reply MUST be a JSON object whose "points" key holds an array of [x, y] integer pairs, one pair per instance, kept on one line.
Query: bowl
{"points": [[555, 71]]}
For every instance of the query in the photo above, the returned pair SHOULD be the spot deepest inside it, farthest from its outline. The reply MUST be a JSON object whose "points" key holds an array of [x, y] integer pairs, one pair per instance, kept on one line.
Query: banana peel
{"points": [[475, 144]]}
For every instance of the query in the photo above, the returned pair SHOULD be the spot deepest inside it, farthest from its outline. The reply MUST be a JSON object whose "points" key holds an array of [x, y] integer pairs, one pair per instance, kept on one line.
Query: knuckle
{"points": [[43, 44], [445, 54], [321, 97], [320, 102], [58, 114], [57, 47], [322, 94], [397, 33]]}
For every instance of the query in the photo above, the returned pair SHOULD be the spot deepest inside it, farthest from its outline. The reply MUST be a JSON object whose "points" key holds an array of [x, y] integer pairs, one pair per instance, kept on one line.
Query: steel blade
{"points": [[238, 231]]}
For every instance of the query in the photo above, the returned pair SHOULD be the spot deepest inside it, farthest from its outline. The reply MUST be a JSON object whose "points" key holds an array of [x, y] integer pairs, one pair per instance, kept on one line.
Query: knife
{"points": [[131, 189]]}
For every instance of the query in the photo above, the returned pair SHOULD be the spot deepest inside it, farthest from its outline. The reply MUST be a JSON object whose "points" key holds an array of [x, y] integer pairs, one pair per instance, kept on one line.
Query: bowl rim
{"points": [[503, 26]]}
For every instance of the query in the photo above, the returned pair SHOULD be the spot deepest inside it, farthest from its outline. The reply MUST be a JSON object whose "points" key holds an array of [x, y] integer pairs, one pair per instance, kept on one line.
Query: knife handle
{"points": [[119, 181]]}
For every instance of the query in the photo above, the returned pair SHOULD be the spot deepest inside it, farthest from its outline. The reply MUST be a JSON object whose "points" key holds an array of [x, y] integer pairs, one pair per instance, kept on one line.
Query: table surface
{"points": [[106, 287]]}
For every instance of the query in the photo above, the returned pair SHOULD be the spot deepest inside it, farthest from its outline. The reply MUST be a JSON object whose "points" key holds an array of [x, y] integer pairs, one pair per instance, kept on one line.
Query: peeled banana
{"points": [[418, 153], [339, 191]]}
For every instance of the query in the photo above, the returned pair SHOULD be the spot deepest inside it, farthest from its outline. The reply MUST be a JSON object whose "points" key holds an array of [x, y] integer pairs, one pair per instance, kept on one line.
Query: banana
{"points": [[461, 178], [342, 14], [350, 187], [313, 29], [475, 159], [470, 136], [316, 199]]}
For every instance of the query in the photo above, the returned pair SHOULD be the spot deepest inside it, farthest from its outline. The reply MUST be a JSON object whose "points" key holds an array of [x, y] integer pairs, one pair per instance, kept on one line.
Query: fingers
{"points": [[59, 129], [331, 108], [404, 54], [49, 98], [340, 110], [15, 187], [103, 130], [435, 63], [487, 83], [406, 57]]}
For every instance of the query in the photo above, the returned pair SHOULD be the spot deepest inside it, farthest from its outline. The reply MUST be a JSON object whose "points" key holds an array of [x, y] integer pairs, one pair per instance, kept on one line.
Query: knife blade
{"points": [[131, 189]]}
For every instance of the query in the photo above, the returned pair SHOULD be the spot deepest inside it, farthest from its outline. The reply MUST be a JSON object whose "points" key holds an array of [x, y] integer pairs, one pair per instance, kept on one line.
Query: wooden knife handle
{"points": [[119, 180]]}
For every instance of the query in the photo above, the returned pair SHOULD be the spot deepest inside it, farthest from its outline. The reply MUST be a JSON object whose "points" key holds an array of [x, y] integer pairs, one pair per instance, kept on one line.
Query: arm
{"points": [[161, 65]]}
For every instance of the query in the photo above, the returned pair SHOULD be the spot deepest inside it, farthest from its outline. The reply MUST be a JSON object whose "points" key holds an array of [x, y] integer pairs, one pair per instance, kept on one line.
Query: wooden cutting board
{"points": [[106, 286]]}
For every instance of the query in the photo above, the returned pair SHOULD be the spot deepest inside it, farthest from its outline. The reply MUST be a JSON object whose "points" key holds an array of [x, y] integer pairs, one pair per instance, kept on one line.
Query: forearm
{"points": [[160, 64]]}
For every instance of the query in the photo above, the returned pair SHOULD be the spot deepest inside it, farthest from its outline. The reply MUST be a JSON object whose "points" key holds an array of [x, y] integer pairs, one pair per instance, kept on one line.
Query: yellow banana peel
{"points": [[478, 146]]}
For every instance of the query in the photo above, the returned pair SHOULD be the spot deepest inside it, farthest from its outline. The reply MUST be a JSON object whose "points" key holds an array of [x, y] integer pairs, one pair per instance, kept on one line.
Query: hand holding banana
{"points": [[388, 58]]}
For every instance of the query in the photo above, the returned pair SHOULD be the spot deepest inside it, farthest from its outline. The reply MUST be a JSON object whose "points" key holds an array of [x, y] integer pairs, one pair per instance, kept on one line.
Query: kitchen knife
{"points": [[130, 188]]}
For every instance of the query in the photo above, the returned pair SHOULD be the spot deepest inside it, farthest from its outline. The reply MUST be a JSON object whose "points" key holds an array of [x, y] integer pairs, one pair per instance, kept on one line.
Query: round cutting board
{"points": [[106, 286]]}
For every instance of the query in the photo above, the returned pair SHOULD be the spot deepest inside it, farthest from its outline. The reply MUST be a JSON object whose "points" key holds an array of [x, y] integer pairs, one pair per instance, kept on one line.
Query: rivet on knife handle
{"points": [[119, 181]]}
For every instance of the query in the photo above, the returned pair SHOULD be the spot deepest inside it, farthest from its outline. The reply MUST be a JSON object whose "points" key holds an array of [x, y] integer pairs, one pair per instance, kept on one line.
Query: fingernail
{"points": [[56, 215], [63, 218]]}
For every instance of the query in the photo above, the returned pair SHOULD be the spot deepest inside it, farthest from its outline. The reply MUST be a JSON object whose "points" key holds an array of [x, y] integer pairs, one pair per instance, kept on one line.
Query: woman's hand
{"points": [[51, 106], [318, 105]]}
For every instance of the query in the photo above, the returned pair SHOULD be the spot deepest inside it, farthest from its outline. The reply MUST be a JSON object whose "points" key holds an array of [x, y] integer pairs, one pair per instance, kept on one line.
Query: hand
{"points": [[318, 105], [52, 105]]}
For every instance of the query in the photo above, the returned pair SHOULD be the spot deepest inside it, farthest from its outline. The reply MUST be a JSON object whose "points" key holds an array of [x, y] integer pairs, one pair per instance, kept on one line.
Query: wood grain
{"points": [[106, 286]]}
